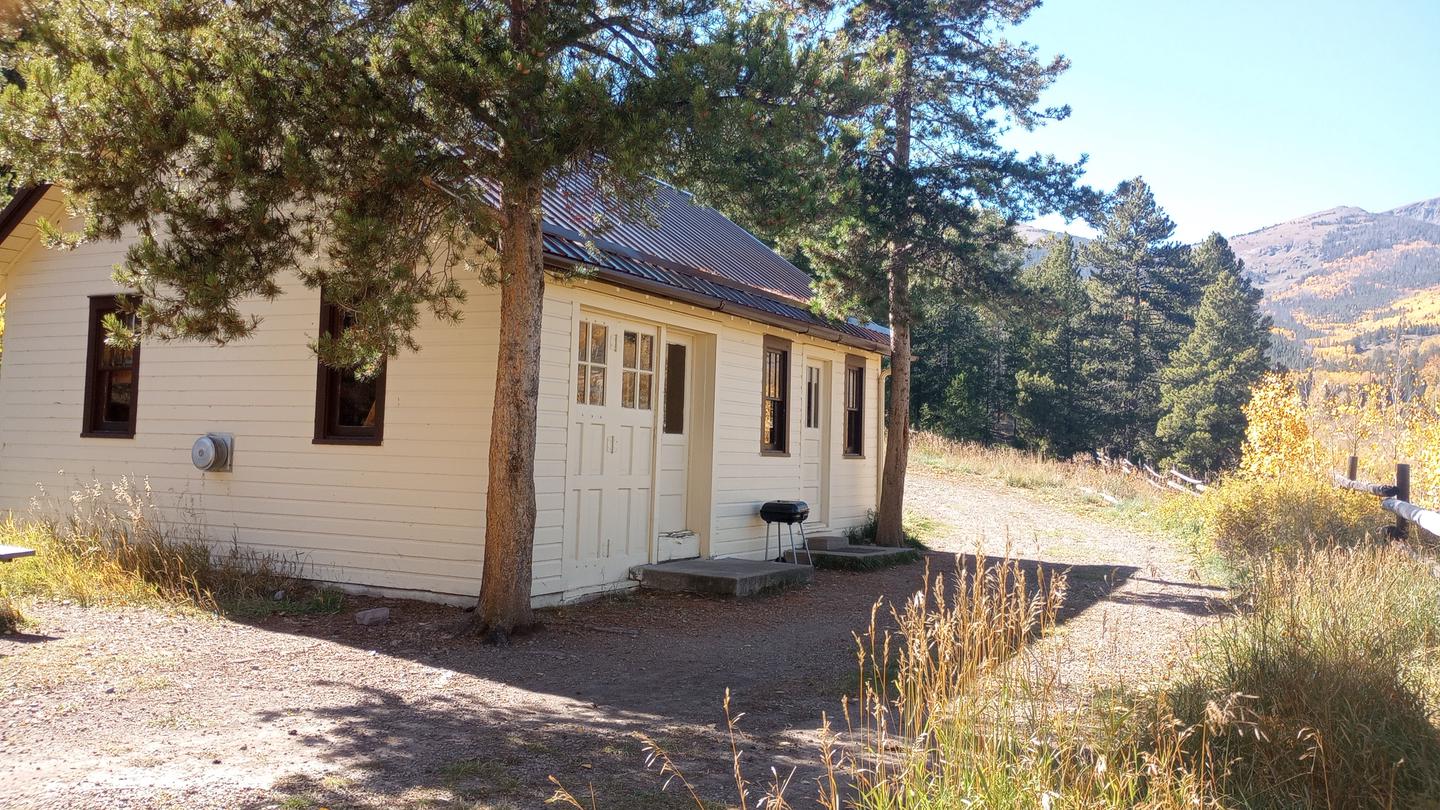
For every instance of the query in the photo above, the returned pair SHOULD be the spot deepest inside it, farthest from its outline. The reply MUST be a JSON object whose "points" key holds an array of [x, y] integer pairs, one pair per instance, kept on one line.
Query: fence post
{"points": [[1402, 487], [1353, 470]]}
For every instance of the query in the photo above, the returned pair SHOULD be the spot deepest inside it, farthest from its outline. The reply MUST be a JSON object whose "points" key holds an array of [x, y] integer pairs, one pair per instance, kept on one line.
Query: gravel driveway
{"points": [[137, 708]]}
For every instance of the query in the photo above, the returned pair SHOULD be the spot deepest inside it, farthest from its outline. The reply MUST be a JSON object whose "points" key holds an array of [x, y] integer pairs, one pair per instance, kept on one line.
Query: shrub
{"points": [[1247, 518]]}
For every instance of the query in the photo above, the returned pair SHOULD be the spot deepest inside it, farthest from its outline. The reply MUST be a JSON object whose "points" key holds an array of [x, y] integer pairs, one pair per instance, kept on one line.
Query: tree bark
{"points": [[504, 606], [889, 524]]}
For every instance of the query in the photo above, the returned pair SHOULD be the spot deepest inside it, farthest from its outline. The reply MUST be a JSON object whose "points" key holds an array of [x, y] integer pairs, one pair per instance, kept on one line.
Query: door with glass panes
{"points": [[611, 447], [675, 538], [815, 440]]}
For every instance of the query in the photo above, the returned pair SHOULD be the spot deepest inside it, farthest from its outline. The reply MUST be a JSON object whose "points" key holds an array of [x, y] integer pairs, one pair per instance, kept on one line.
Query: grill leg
{"points": [[806, 543]]}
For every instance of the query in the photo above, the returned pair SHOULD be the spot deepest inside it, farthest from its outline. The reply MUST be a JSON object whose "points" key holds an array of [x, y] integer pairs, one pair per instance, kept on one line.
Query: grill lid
{"points": [[785, 512]]}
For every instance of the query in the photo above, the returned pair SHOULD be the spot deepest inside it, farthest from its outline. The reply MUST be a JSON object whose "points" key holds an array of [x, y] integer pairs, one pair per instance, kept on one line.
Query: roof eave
{"points": [[19, 207], [628, 281]]}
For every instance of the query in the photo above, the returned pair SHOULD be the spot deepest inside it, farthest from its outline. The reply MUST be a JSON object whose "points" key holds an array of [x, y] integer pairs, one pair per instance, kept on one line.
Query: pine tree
{"points": [[912, 172], [1050, 395], [378, 151], [1207, 383], [1142, 291]]}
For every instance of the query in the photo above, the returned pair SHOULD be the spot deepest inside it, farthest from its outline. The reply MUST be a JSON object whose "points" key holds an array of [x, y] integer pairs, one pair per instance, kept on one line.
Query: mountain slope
{"points": [[1338, 280], [1425, 211]]}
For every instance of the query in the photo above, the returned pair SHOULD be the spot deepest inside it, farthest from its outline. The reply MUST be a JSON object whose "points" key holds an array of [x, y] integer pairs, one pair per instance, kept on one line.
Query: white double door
{"points": [[610, 471]]}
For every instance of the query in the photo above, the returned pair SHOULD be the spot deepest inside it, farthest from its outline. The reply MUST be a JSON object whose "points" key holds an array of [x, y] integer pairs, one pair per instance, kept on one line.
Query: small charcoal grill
{"points": [[786, 514]]}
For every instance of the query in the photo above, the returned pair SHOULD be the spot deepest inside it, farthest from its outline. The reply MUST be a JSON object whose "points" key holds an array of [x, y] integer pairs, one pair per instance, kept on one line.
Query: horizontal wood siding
{"points": [[744, 478], [407, 515]]}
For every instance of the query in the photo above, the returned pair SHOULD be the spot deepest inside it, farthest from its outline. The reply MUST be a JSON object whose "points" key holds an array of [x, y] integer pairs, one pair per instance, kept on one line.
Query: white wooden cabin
{"points": [[652, 443]]}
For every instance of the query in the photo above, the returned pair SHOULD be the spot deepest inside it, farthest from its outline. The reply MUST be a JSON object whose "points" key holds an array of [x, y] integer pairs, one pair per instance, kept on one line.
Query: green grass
{"points": [[916, 528]]}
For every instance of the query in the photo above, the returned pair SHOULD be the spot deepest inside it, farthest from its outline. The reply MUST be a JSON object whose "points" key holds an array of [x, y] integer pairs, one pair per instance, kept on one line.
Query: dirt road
{"points": [[136, 708]]}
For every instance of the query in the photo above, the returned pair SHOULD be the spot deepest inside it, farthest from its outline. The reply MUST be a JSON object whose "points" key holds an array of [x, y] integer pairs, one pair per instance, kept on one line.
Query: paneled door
{"points": [[815, 440], [675, 538], [611, 447]]}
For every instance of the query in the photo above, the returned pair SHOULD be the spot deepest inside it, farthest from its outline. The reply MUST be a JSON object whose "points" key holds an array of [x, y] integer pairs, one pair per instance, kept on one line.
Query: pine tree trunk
{"points": [[889, 528], [504, 606]]}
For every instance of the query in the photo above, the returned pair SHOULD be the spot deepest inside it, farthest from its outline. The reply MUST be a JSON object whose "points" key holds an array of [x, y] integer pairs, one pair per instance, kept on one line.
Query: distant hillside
{"points": [[1035, 238], [1340, 284], [1342, 281]]}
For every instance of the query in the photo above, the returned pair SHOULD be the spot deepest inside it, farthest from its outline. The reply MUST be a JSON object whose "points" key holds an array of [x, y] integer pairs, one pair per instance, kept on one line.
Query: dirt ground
{"points": [[135, 708]]}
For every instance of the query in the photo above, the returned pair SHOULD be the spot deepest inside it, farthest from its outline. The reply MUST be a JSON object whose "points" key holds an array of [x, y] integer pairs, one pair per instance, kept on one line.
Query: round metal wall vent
{"points": [[212, 452]]}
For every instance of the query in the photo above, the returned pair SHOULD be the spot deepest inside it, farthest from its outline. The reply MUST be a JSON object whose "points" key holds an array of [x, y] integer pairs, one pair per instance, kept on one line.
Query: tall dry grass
{"points": [[1080, 481], [1321, 693], [110, 544]]}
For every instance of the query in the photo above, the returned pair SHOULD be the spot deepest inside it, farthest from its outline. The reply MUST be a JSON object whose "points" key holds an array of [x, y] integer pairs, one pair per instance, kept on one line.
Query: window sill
{"points": [[775, 453], [858, 456], [360, 441], [105, 434]]}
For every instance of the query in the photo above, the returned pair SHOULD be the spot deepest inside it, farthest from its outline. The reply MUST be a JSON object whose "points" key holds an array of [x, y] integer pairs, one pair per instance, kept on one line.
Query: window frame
{"points": [[781, 448], [586, 365], [327, 395], [854, 365], [91, 425]]}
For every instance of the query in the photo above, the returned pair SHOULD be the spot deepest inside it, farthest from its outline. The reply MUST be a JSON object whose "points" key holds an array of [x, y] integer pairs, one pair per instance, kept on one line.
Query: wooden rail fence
{"points": [[1174, 479], [1394, 498]]}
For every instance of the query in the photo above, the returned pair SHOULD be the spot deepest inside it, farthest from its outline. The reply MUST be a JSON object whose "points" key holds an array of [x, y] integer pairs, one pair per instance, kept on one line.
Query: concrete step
{"points": [[849, 556], [822, 542], [725, 577]]}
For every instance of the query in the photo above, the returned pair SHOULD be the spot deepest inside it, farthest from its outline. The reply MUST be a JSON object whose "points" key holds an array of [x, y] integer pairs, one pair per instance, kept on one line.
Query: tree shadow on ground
{"points": [[572, 700]]}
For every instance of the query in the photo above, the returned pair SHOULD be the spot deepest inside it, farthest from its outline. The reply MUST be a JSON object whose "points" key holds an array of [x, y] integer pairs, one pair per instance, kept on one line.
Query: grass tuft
{"points": [[10, 616], [107, 545]]}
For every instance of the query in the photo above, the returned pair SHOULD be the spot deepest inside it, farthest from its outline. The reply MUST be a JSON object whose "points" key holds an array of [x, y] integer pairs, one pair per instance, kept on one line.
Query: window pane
{"points": [[647, 352], [627, 390], [584, 339], [119, 388], [357, 401], [112, 357], [645, 383], [597, 386], [628, 358], [597, 344], [675, 388], [580, 383]]}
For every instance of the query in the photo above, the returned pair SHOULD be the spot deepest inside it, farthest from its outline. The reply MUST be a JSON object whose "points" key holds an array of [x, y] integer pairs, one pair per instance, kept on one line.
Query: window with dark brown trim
{"points": [[348, 409], [112, 375], [854, 406], [775, 397]]}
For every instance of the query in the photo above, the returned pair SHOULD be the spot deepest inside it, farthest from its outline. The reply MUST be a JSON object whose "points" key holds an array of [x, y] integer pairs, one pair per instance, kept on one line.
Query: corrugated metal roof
{"points": [[698, 238], [733, 298], [690, 250]]}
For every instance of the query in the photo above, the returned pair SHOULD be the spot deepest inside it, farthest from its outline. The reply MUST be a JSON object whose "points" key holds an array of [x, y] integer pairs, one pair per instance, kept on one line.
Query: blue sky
{"points": [[1244, 114]]}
